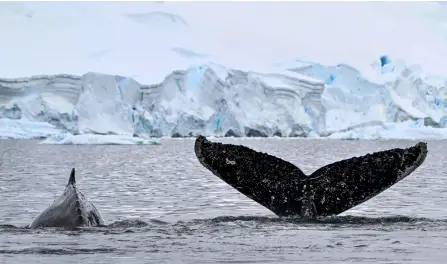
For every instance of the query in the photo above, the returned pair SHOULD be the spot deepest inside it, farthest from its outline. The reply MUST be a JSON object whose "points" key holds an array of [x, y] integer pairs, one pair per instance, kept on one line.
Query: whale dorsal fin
{"points": [[72, 180]]}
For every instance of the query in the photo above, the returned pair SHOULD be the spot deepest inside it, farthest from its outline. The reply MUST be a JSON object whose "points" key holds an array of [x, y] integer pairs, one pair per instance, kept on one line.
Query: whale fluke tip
{"points": [[72, 179], [200, 138], [198, 144], [422, 146]]}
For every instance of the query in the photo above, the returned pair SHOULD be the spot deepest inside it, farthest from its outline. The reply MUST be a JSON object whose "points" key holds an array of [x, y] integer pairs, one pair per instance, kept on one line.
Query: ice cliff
{"points": [[187, 69], [307, 100]]}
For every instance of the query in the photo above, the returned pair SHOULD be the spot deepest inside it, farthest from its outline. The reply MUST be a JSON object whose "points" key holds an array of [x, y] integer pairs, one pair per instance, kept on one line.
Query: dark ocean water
{"points": [[162, 206]]}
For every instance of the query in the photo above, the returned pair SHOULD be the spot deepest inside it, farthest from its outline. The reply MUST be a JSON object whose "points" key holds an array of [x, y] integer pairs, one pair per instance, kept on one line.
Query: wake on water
{"points": [[166, 237], [251, 221]]}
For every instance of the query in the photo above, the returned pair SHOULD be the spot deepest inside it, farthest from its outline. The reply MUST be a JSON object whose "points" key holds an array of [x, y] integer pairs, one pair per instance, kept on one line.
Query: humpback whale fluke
{"points": [[70, 210], [285, 190]]}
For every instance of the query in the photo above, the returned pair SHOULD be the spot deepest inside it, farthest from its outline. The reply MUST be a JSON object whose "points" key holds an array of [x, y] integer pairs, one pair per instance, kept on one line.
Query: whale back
{"points": [[266, 179], [70, 209], [342, 185]]}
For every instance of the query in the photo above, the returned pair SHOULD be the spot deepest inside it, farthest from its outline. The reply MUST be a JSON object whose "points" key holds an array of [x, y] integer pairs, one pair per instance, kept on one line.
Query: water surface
{"points": [[164, 207]]}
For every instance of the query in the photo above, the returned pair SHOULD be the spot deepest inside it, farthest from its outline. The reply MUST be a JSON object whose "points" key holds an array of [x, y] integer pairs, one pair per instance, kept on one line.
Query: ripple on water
{"points": [[162, 206]]}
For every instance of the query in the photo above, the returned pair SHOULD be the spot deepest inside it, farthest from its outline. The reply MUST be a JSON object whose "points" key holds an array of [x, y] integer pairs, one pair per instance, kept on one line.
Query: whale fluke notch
{"points": [[72, 179], [285, 190]]}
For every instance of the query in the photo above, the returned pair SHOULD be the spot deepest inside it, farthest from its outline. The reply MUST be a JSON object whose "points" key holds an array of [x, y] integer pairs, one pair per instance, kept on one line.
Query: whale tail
{"points": [[284, 189], [72, 180]]}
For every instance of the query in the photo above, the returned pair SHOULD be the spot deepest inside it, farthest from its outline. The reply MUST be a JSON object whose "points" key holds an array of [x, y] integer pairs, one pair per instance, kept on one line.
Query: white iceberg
{"points": [[89, 139]]}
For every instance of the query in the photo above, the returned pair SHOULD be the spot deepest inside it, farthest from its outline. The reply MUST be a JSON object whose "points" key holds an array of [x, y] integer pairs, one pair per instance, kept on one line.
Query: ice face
{"points": [[194, 81]]}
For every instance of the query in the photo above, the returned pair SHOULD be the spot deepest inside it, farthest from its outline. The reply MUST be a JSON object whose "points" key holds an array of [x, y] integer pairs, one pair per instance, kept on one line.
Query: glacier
{"points": [[193, 87]]}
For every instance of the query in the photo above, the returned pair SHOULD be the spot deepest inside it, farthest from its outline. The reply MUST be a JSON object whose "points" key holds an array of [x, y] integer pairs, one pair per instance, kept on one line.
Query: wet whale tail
{"points": [[284, 189]]}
